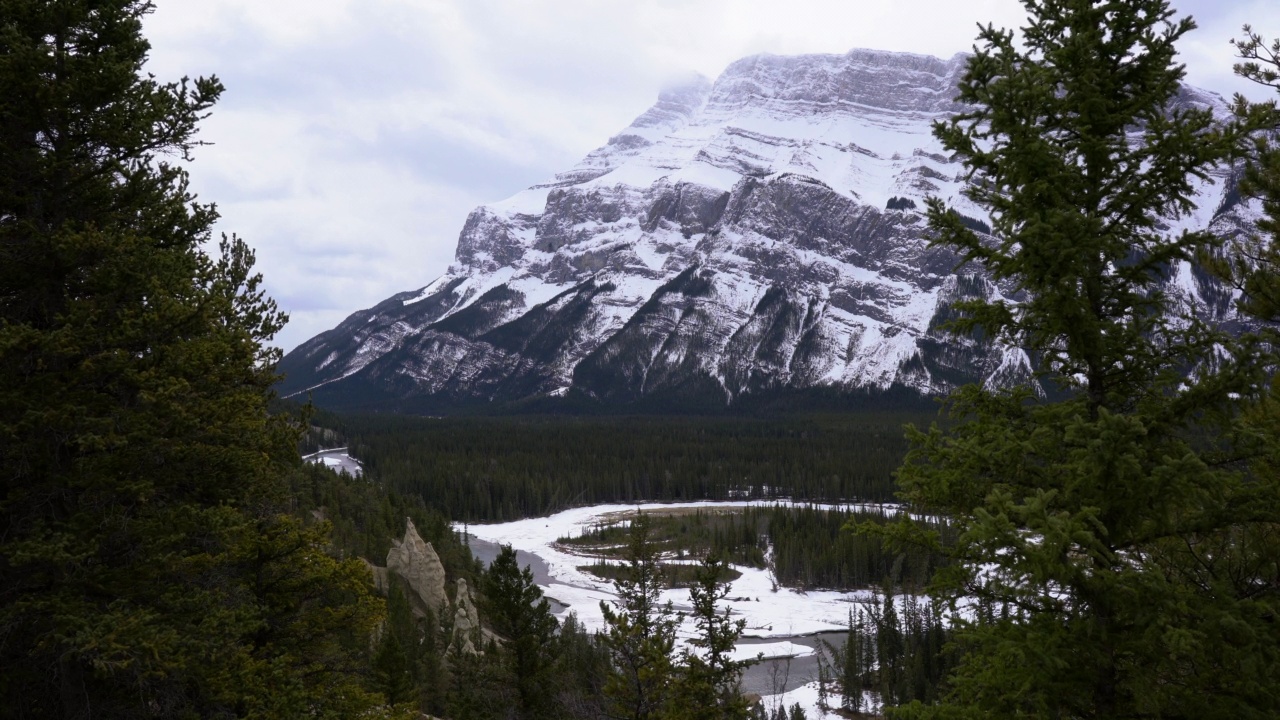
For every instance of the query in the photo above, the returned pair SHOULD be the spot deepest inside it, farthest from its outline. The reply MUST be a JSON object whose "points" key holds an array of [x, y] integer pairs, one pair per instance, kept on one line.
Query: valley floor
{"points": [[782, 623]]}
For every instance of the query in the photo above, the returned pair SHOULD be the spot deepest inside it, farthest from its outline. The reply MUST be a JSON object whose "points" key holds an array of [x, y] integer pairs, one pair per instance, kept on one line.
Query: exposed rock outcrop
{"points": [[416, 561], [465, 619]]}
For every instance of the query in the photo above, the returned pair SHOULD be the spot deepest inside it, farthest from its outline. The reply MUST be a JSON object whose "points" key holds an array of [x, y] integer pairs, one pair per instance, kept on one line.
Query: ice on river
{"points": [[770, 611]]}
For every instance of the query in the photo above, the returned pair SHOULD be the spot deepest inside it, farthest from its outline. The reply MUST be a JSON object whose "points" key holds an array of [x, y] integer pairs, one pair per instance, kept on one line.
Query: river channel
{"points": [[781, 622]]}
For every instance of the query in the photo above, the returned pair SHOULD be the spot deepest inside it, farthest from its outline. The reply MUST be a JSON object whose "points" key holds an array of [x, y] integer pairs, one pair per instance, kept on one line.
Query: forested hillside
{"points": [[488, 469]]}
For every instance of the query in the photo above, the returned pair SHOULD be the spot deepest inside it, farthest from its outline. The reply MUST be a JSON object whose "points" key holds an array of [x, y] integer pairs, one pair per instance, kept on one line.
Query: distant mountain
{"points": [[755, 236]]}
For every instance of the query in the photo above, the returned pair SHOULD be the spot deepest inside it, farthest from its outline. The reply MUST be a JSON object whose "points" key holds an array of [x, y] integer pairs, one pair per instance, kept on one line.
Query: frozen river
{"points": [[780, 622], [761, 678], [337, 460]]}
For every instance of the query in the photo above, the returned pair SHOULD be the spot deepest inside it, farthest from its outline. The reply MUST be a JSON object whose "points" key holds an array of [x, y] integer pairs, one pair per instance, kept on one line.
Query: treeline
{"points": [[895, 652], [496, 469], [737, 535], [805, 547], [816, 548]]}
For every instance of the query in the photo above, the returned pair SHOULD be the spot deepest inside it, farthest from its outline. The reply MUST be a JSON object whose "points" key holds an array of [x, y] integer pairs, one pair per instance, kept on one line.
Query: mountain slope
{"points": [[758, 234]]}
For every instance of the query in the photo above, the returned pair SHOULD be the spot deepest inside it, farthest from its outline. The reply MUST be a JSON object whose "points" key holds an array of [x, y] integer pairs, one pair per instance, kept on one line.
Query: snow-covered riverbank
{"points": [[780, 621], [770, 611]]}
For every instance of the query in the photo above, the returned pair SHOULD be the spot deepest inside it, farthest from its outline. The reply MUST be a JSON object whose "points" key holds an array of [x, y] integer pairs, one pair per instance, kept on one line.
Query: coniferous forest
{"points": [[494, 469], [1107, 550], [804, 547]]}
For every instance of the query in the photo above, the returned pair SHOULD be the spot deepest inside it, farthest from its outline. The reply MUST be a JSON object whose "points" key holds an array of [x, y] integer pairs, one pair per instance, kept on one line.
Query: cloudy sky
{"points": [[356, 135]]}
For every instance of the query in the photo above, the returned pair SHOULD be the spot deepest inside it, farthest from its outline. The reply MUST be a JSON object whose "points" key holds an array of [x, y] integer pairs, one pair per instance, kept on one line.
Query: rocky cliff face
{"points": [[757, 234]]}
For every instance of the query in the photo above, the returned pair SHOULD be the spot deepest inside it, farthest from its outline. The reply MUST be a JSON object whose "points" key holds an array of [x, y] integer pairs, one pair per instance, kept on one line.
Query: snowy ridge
{"points": [[738, 237]]}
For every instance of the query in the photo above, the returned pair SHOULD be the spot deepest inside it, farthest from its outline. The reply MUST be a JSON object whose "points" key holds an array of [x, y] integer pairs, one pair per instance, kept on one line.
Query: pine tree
{"points": [[432, 677], [1255, 266], [707, 683], [515, 607], [146, 566], [395, 662], [851, 676], [479, 687], [582, 665], [889, 649], [640, 633], [1104, 523]]}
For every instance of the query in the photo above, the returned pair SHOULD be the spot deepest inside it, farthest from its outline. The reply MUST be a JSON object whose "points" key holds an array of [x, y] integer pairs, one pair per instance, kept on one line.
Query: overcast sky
{"points": [[356, 135]]}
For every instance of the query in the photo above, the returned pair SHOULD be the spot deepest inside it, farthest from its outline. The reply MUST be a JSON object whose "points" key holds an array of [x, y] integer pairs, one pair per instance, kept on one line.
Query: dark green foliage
{"points": [[974, 224], [640, 635], [812, 547], [707, 684], [479, 686], [429, 668], [533, 671], [148, 567], [675, 576], [1119, 552], [1254, 267], [737, 535], [583, 665], [900, 203], [520, 615], [393, 670], [366, 516], [408, 663], [491, 469], [895, 650]]}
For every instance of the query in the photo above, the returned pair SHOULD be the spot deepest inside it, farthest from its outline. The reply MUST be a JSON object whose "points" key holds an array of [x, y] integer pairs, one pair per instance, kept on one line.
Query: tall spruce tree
{"points": [[708, 682], [1108, 519], [640, 633], [519, 613], [145, 567]]}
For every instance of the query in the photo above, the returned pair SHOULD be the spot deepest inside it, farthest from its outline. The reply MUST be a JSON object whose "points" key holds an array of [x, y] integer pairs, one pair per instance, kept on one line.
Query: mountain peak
{"points": [[758, 234], [900, 82]]}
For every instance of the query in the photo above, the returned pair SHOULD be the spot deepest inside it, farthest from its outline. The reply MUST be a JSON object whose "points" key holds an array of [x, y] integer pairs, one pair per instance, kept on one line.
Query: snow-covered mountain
{"points": [[760, 233]]}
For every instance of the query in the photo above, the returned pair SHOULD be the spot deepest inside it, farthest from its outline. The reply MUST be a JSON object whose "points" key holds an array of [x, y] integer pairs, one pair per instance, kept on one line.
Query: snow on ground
{"points": [[336, 459], [807, 697], [532, 201], [769, 651], [770, 611]]}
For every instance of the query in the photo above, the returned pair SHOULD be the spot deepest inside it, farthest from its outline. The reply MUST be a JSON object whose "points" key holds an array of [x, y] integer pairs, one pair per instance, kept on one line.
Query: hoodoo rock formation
{"points": [[416, 562], [466, 621]]}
